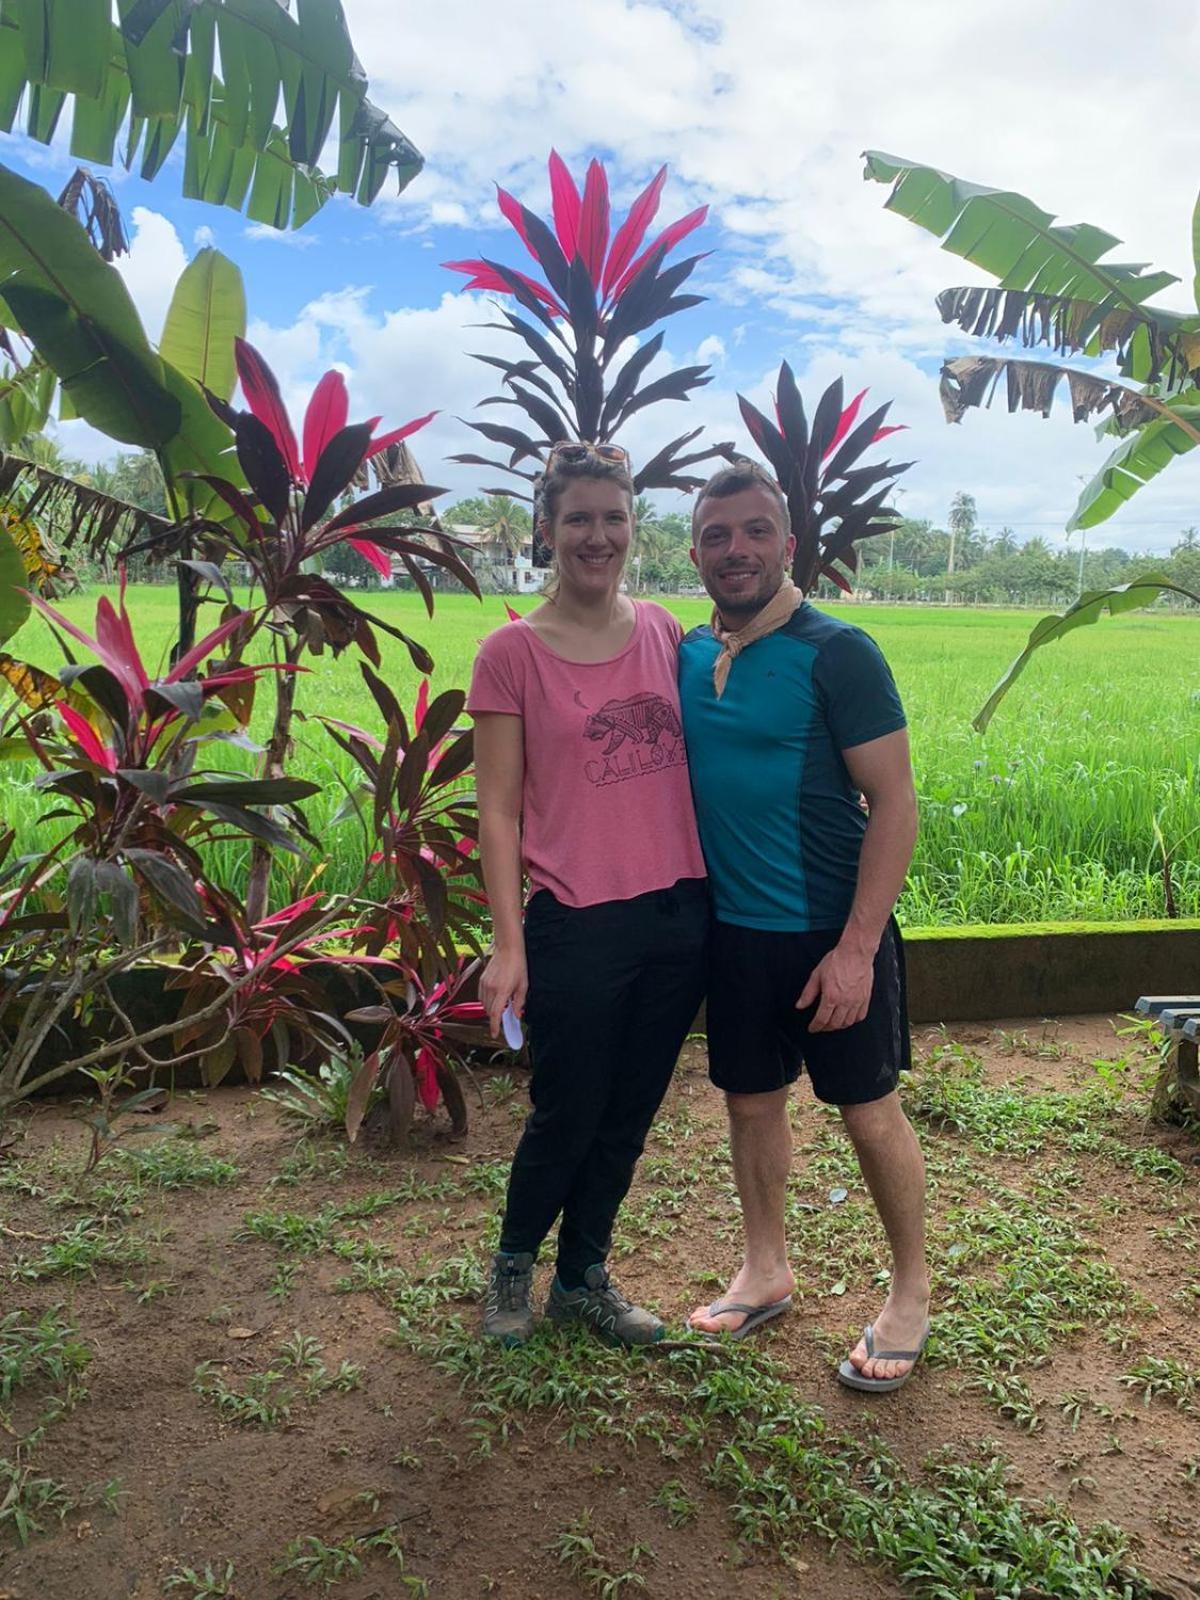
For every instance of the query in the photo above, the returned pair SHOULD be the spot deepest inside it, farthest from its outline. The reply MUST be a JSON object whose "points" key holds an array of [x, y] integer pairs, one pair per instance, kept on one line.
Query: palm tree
{"points": [[508, 523]]}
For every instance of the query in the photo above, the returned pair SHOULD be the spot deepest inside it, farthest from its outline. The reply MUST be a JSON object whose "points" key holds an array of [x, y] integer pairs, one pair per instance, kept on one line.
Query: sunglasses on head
{"points": [[571, 450]]}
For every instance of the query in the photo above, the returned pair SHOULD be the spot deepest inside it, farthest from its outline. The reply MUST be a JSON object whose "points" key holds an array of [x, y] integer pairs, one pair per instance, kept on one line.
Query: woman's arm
{"points": [[499, 784]]}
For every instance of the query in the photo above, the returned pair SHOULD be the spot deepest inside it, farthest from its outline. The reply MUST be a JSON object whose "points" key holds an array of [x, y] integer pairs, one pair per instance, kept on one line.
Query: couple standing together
{"points": [[688, 812]]}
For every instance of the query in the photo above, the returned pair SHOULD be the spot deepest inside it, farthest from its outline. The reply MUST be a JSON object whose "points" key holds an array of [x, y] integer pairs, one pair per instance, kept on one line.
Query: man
{"points": [[791, 718]]}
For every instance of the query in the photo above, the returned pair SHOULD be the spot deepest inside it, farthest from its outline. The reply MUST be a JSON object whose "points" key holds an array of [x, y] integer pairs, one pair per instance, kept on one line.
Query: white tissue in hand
{"points": [[512, 1028]]}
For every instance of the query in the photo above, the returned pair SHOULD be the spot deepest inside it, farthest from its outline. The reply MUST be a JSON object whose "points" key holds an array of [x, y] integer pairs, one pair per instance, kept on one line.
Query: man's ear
{"points": [[695, 557]]}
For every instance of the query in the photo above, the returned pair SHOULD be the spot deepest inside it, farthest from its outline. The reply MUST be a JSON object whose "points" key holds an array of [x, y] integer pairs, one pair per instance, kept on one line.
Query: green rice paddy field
{"points": [[1050, 816]]}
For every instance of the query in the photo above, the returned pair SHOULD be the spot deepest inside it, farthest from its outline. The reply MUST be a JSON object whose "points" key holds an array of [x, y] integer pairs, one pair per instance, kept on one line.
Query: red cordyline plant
{"points": [[833, 503], [127, 875], [598, 291], [293, 518]]}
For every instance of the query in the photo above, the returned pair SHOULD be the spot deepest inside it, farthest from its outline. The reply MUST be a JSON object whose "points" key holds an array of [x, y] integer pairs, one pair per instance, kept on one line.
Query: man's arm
{"points": [[842, 982]]}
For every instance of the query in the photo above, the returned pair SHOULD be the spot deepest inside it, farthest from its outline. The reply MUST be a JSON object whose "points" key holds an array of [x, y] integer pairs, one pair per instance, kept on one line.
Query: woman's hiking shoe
{"points": [[601, 1306], [507, 1306]]}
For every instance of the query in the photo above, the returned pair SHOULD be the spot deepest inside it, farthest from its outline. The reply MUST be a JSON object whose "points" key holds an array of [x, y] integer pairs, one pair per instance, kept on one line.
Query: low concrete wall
{"points": [[1047, 969], [954, 975]]}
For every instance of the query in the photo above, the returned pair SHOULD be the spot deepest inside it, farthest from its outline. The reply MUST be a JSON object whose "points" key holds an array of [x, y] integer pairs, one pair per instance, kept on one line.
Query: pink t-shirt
{"points": [[607, 807]]}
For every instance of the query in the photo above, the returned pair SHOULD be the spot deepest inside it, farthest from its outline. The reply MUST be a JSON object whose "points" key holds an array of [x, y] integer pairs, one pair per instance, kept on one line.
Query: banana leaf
{"points": [[207, 313], [136, 85], [1088, 609]]}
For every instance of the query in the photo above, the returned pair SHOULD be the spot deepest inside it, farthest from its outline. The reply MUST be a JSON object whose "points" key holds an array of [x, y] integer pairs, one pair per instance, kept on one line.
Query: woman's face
{"points": [[590, 534]]}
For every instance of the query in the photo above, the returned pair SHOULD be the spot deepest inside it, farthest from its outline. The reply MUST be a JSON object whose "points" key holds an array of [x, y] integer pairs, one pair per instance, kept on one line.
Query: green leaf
{"points": [[207, 313], [202, 443], [1135, 461], [67, 43], [1088, 609], [14, 605], [158, 65], [79, 314], [1010, 237]]}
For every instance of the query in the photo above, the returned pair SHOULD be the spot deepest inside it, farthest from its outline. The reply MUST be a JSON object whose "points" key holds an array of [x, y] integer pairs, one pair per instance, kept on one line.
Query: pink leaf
{"points": [[425, 1072], [513, 616], [199, 652], [87, 738], [484, 277], [669, 238], [422, 705], [565, 200], [511, 209], [593, 222], [882, 433], [119, 651], [379, 559], [845, 423], [326, 415], [633, 230], [397, 434], [261, 389]]}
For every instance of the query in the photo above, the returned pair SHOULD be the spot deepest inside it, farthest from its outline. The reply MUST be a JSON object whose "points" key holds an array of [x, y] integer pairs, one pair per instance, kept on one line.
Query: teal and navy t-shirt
{"points": [[779, 816]]}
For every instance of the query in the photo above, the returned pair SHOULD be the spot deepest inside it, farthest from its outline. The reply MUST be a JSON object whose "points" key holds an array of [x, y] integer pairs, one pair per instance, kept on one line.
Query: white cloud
{"points": [[762, 111], [152, 267], [203, 237], [263, 233], [711, 349]]}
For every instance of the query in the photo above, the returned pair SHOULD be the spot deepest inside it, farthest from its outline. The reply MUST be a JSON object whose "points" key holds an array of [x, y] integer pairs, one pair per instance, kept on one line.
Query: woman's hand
{"points": [[505, 980]]}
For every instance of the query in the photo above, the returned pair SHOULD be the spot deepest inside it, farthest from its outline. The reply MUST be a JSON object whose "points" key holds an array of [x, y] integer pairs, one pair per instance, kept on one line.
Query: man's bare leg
{"points": [[760, 1138], [894, 1171]]}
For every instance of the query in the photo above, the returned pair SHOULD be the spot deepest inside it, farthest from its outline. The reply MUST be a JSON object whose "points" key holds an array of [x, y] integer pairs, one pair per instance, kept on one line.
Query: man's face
{"points": [[741, 551]]}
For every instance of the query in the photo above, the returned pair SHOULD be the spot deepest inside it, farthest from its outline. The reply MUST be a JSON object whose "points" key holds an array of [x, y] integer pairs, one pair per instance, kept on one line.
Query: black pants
{"points": [[613, 990]]}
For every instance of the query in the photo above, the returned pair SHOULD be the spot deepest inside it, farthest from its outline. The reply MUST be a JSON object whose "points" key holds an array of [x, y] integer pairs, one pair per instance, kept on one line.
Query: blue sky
{"points": [[761, 112]]}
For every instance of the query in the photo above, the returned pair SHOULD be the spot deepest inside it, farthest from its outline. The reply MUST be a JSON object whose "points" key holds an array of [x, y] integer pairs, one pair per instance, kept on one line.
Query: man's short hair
{"points": [[735, 478]]}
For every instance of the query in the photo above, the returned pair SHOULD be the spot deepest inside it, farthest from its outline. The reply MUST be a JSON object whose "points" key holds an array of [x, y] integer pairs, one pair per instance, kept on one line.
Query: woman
{"points": [[583, 786]]}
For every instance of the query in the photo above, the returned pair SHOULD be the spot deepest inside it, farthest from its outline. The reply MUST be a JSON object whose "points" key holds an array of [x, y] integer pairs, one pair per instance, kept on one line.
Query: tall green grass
{"points": [[1050, 815]]}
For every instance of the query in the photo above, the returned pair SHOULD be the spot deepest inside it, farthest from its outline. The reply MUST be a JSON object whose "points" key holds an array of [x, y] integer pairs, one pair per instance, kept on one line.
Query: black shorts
{"points": [[758, 1041]]}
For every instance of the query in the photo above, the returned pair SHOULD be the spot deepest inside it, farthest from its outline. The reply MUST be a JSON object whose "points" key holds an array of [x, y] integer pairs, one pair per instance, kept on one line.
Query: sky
{"points": [[761, 111]]}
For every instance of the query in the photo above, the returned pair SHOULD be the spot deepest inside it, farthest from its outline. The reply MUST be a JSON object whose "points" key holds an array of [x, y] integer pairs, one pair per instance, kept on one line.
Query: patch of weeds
{"points": [[1150, 1162], [319, 1101], [45, 1349], [312, 1159], [947, 1091], [1161, 1377], [28, 1502], [153, 1289], [674, 1499], [607, 1576], [207, 1585], [266, 1400], [499, 1087], [486, 1177], [79, 1252], [174, 1164], [315, 1562], [324, 1229], [785, 1474], [284, 1280]]}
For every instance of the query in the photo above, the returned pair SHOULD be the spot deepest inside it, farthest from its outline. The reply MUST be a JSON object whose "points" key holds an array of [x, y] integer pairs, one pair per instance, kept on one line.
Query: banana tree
{"points": [[1057, 291], [597, 293], [80, 321], [136, 85]]}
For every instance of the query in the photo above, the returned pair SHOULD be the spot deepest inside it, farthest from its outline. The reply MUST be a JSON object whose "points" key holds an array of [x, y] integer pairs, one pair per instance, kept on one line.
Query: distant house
{"points": [[495, 564]]}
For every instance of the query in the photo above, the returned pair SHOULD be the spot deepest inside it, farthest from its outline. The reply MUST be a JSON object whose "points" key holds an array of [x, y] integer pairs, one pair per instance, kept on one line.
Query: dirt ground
{"points": [[1065, 1236]]}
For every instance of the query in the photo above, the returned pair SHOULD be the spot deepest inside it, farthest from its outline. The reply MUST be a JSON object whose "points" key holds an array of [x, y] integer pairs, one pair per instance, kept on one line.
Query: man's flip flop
{"points": [[853, 1378], [754, 1316]]}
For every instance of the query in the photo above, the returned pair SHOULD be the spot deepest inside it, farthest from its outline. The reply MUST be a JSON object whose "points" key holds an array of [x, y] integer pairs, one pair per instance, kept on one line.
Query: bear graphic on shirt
{"points": [[640, 735]]}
